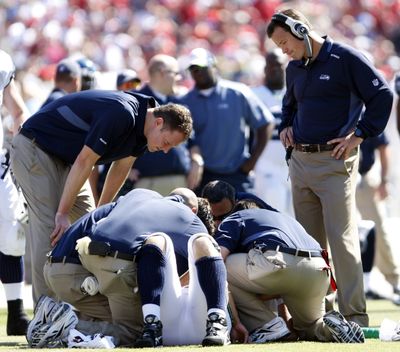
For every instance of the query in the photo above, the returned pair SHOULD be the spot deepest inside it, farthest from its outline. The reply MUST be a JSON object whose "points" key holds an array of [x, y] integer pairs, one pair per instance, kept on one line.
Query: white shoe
{"points": [[271, 331], [343, 330], [55, 332], [44, 309]]}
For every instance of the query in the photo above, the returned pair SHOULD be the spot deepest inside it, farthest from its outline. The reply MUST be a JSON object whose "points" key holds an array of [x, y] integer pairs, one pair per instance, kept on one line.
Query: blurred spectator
{"points": [[128, 80], [67, 80], [223, 113], [159, 171], [88, 70], [370, 196]]}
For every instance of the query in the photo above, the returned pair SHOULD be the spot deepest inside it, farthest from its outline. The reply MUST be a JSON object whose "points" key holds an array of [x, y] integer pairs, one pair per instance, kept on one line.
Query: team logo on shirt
{"points": [[335, 56], [324, 77], [103, 141], [375, 82]]}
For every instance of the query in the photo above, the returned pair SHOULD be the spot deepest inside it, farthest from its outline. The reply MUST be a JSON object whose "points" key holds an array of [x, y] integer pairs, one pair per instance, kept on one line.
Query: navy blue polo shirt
{"points": [[221, 123], [324, 100], [240, 231], [368, 148], [111, 123], [131, 220], [175, 162]]}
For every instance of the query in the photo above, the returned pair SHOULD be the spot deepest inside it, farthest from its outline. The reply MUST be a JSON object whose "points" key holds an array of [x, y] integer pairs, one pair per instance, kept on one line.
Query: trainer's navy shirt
{"points": [[111, 123], [175, 162], [368, 148], [240, 231], [126, 224], [324, 100]]}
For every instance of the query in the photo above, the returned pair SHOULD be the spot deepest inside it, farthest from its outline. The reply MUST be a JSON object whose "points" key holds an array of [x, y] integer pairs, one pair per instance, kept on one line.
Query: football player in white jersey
{"points": [[271, 172], [12, 236]]}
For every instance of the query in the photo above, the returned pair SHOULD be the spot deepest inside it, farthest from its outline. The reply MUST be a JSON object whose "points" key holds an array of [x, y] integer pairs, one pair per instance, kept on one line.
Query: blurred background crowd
{"points": [[118, 34]]}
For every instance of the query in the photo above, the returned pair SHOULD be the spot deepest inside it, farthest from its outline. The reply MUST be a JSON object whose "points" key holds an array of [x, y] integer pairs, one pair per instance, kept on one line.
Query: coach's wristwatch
{"points": [[359, 133]]}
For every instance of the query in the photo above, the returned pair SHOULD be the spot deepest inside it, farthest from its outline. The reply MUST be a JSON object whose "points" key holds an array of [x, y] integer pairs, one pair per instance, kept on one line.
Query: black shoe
{"points": [[17, 326], [152, 333], [217, 333]]}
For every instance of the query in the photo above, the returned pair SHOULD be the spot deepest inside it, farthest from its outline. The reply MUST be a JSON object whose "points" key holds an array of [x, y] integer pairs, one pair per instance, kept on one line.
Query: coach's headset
{"points": [[299, 29]]}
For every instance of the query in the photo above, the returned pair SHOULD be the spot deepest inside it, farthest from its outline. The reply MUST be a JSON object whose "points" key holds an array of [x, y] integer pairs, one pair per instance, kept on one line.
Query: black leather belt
{"points": [[104, 249], [292, 251], [27, 134], [65, 259], [314, 148]]}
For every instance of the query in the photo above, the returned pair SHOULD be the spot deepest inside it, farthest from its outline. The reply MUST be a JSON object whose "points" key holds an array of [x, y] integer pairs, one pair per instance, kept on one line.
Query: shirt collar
{"points": [[324, 53]]}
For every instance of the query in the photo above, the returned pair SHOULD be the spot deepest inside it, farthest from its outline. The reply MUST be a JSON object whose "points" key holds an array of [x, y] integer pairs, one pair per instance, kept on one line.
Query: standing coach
{"points": [[328, 85]]}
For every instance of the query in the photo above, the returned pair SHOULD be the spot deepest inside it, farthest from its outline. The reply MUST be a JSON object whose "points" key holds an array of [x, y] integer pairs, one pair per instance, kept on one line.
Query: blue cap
{"points": [[127, 76]]}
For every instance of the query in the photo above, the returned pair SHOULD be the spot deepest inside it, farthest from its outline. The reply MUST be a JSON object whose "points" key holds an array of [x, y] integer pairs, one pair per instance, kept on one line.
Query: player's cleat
{"points": [[17, 326], [44, 309], [55, 332], [217, 333], [152, 333], [343, 330], [274, 330]]}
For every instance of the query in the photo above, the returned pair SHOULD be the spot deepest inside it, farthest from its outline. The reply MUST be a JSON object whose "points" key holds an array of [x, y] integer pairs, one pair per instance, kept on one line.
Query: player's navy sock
{"points": [[212, 279], [151, 274], [11, 269]]}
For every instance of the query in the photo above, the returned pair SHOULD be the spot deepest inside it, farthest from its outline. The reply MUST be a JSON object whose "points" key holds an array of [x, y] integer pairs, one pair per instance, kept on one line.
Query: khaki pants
{"points": [[301, 282], [117, 304], [370, 209], [42, 178], [324, 203], [162, 184]]}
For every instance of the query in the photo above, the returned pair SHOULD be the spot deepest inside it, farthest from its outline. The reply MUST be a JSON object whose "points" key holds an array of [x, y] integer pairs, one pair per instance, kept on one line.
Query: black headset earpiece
{"points": [[299, 29]]}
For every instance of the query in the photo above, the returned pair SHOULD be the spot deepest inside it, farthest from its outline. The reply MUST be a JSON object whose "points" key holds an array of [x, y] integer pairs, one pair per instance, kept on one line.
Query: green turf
{"points": [[378, 310]]}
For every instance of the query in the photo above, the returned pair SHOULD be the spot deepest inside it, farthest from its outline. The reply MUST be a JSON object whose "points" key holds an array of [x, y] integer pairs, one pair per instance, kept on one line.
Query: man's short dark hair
{"points": [[292, 13], [176, 118], [215, 191], [245, 204]]}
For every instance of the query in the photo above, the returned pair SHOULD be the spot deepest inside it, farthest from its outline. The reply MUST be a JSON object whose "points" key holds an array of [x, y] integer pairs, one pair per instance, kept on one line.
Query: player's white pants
{"points": [[183, 309], [12, 240]]}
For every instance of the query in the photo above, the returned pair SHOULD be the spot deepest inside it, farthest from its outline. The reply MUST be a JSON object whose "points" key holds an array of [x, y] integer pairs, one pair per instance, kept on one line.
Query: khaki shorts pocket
{"points": [[261, 264]]}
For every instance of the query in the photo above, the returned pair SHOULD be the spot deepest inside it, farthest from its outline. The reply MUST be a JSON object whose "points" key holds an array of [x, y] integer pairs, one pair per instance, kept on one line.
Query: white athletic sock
{"points": [[14, 291], [367, 281], [220, 312], [153, 309]]}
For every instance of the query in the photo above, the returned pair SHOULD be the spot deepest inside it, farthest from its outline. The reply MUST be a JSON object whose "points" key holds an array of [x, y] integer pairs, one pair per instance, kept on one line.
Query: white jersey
{"points": [[12, 240], [7, 71], [271, 171]]}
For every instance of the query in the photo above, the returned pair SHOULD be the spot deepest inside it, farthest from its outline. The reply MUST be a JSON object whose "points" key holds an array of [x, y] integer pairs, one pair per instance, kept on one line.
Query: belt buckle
{"points": [[305, 148]]}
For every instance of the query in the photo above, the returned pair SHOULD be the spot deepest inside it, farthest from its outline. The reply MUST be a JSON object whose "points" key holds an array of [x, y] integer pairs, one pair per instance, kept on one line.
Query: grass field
{"points": [[378, 310]]}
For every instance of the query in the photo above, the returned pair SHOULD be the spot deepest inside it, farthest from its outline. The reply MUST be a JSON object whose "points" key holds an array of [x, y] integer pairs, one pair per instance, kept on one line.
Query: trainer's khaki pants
{"points": [[324, 203], [301, 282], [115, 310], [42, 177]]}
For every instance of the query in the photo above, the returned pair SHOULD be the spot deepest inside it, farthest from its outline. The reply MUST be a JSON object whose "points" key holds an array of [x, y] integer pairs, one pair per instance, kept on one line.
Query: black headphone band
{"points": [[298, 28]]}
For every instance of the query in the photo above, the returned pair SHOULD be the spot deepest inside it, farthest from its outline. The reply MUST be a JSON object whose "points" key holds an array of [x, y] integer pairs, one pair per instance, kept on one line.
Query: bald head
{"points": [[188, 196]]}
